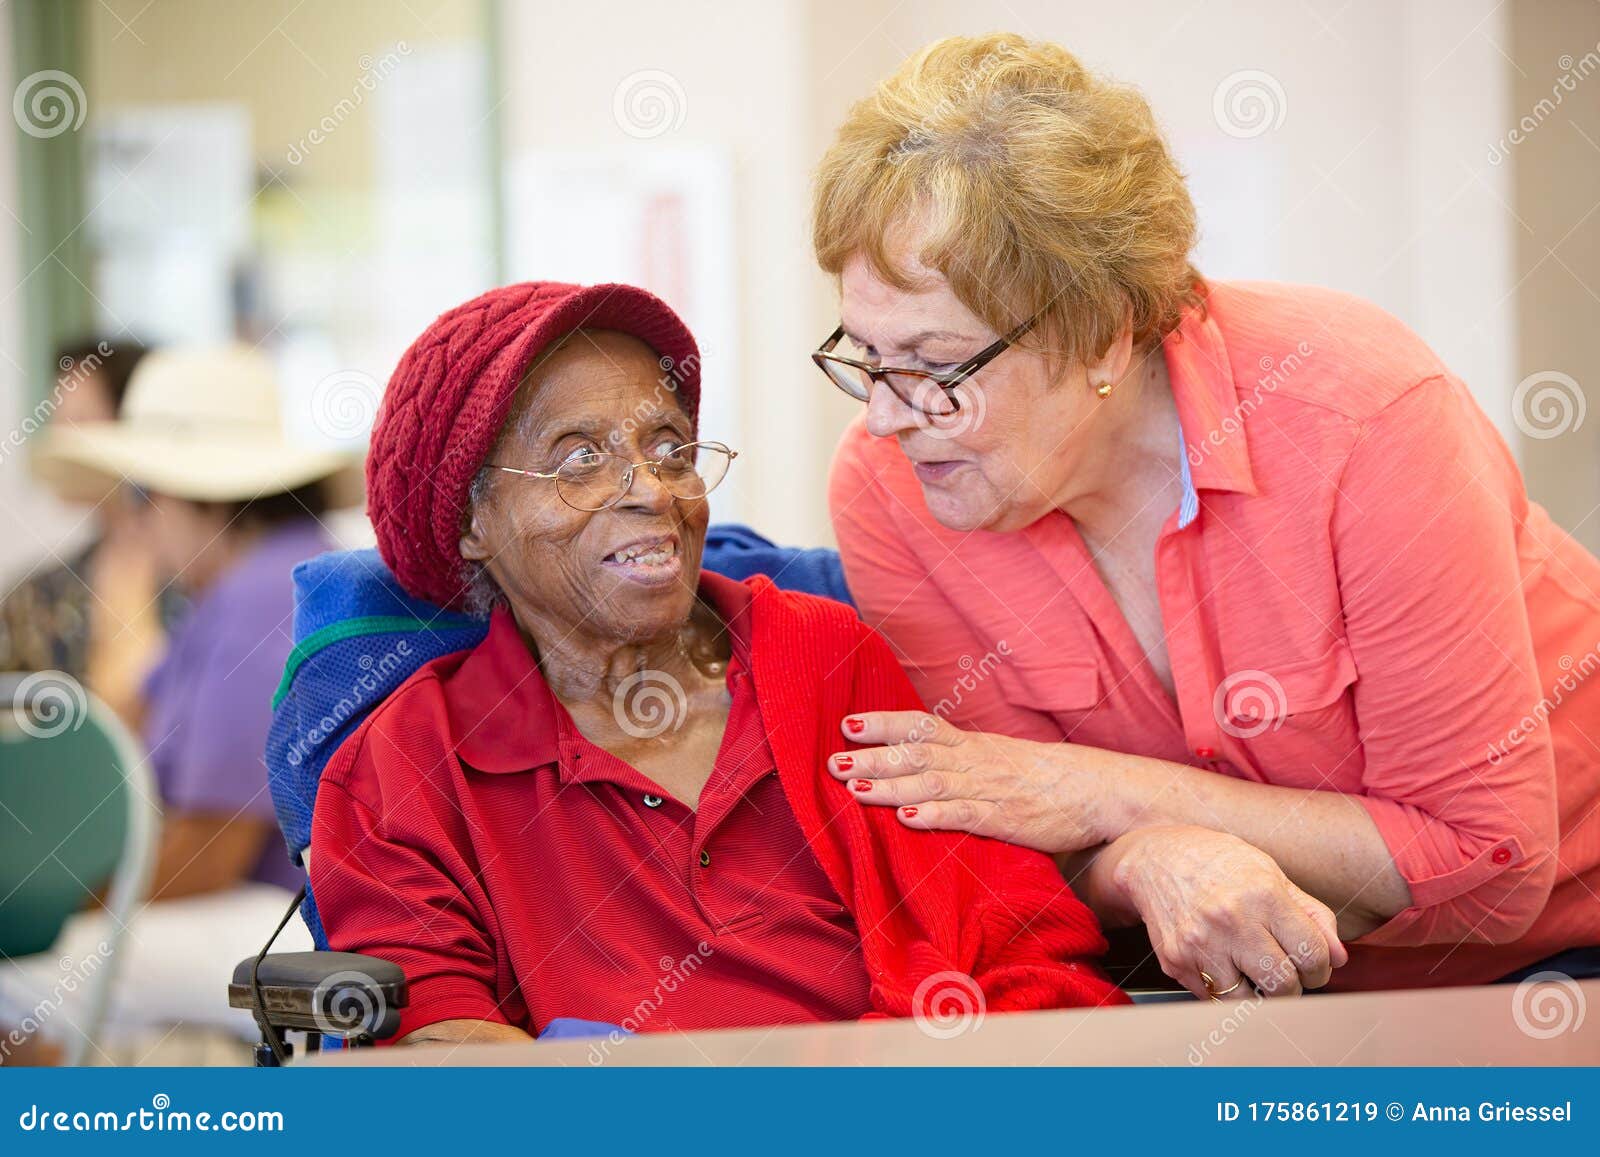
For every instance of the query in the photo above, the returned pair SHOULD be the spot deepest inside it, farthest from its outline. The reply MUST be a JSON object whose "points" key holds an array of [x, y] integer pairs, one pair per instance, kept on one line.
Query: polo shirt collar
{"points": [[503, 715], [1216, 450]]}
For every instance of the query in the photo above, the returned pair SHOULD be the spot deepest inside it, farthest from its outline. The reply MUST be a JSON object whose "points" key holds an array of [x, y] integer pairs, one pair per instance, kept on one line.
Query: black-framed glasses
{"points": [[932, 392], [597, 481]]}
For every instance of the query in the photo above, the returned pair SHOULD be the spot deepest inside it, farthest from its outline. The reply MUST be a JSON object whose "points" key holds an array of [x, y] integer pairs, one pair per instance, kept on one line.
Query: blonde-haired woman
{"points": [[1230, 595]]}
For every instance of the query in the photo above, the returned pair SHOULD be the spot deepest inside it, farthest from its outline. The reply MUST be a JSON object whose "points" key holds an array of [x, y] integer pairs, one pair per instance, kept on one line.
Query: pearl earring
{"points": [[1103, 390]]}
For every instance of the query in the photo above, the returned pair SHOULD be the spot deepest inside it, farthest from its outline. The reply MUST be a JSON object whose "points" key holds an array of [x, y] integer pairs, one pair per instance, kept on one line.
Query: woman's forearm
{"points": [[1324, 841], [1060, 797]]}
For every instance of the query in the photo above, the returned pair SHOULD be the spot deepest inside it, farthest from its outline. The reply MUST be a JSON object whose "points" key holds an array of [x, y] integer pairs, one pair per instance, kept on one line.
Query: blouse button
{"points": [[705, 858], [1501, 856], [652, 800]]}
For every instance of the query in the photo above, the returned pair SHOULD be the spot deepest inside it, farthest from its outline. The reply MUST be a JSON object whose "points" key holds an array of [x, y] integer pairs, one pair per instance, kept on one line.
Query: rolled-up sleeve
{"points": [[390, 898], [1459, 774]]}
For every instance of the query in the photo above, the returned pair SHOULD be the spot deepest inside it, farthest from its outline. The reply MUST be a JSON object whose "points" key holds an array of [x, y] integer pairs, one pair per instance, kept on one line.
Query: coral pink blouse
{"points": [[1357, 596]]}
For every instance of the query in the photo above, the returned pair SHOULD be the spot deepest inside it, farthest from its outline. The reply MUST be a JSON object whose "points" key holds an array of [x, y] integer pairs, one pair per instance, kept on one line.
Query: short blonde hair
{"points": [[1043, 190]]}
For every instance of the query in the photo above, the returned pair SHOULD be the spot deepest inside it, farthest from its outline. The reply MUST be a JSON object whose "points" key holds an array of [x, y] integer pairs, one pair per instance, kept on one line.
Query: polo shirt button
{"points": [[652, 800], [1501, 856], [705, 858], [1204, 752]]}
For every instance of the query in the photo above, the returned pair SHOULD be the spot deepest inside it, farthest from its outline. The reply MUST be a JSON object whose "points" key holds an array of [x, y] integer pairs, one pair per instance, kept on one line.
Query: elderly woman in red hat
{"points": [[615, 808]]}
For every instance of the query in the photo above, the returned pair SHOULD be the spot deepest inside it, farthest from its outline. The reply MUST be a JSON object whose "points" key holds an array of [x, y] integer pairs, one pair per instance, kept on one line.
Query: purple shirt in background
{"points": [[210, 698]]}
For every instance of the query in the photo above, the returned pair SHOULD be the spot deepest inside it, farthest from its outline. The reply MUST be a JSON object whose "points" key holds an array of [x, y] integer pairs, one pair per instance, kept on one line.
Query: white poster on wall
{"points": [[170, 188]]}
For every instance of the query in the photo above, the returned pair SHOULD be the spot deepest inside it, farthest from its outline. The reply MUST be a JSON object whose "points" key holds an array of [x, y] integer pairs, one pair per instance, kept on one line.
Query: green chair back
{"points": [[64, 808]]}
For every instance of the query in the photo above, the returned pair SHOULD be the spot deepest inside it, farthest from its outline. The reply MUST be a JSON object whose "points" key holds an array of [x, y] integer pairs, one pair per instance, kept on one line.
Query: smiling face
{"points": [[1008, 456], [625, 574]]}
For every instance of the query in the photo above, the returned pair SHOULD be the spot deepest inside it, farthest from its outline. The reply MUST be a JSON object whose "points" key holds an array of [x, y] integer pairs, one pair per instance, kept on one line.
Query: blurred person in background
{"points": [[101, 615], [230, 507]]}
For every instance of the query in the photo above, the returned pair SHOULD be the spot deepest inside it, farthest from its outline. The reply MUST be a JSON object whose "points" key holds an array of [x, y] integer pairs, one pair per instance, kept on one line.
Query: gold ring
{"points": [[1211, 986]]}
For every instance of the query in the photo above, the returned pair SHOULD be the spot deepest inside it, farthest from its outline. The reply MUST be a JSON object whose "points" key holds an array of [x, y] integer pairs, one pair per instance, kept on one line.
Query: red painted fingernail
{"points": [[861, 784], [908, 812], [843, 762], [854, 726]]}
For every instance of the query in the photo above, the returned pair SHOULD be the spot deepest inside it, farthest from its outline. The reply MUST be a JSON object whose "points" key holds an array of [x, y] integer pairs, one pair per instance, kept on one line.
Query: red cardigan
{"points": [[926, 903]]}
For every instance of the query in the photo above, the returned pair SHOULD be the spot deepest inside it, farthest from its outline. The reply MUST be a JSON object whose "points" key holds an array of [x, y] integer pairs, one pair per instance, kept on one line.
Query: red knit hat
{"points": [[452, 392]]}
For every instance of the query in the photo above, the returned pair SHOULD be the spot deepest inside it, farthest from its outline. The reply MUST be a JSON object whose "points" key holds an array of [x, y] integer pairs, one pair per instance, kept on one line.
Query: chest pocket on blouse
{"points": [[1066, 690], [1294, 720]]}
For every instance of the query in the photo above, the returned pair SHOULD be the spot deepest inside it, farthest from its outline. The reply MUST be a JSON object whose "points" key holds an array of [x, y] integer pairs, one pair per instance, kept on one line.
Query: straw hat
{"points": [[202, 423]]}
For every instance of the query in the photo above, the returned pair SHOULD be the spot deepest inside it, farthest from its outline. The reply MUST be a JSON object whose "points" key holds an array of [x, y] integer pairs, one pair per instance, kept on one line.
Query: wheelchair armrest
{"points": [[339, 994]]}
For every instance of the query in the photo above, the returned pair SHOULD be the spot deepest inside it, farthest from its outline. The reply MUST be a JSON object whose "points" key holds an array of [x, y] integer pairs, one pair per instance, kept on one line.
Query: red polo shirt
{"points": [[615, 902], [517, 872]]}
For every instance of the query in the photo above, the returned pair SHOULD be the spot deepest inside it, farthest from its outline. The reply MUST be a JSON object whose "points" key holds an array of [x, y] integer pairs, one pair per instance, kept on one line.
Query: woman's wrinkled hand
{"points": [[1045, 796], [1213, 903]]}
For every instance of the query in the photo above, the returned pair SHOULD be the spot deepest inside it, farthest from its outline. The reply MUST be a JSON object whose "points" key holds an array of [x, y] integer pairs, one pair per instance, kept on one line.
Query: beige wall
{"points": [[1557, 170], [290, 63]]}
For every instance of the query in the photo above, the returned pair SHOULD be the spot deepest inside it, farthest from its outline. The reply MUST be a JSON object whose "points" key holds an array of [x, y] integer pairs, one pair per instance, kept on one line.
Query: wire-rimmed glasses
{"points": [[597, 481]]}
